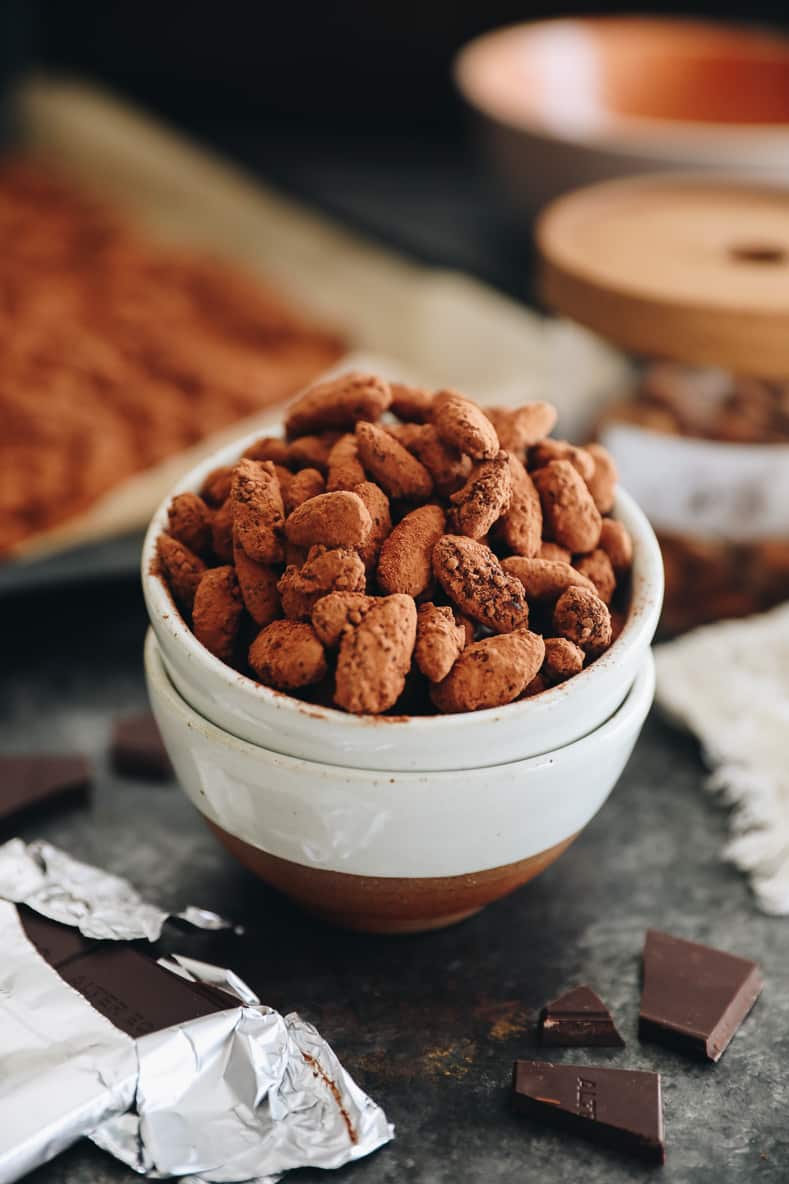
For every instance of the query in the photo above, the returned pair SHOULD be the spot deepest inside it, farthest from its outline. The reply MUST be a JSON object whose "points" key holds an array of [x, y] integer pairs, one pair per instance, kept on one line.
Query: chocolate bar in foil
{"points": [[174, 1067]]}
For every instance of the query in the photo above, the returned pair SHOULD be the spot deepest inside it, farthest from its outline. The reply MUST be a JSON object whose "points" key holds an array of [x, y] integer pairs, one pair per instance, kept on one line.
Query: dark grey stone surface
{"points": [[430, 1025]]}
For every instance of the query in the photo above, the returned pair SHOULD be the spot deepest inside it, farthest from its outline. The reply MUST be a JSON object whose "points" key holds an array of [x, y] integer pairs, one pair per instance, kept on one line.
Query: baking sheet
{"points": [[440, 327]]}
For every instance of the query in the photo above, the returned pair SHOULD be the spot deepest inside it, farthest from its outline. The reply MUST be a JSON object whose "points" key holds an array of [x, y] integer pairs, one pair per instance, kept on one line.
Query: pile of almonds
{"points": [[451, 559]]}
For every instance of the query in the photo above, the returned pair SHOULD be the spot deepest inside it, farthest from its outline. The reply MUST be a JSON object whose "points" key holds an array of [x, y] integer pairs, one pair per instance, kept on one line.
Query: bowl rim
{"points": [[638, 630], [641, 691], [620, 134]]}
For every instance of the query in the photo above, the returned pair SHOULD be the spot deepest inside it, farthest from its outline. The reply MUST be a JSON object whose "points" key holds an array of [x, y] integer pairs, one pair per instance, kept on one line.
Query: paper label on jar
{"points": [[734, 492]]}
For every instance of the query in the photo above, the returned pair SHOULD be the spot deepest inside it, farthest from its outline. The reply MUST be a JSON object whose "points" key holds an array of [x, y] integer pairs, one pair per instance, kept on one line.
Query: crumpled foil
{"points": [[240, 1095], [277, 1095], [100, 905]]}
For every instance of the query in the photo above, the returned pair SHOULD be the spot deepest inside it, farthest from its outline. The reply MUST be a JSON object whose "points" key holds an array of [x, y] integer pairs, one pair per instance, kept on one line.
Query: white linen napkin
{"points": [[728, 683]]}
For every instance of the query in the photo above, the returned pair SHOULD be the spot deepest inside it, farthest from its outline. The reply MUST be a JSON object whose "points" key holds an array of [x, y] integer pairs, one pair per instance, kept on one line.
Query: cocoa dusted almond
{"points": [[377, 504], [338, 403], [288, 655], [339, 519], [257, 583], [375, 656], [597, 567], [216, 488], [272, 448], [222, 541], [563, 658], [491, 672], [568, 508], [406, 561], [183, 570], [412, 404], [486, 495], [478, 585], [617, 544], [439, 640], [302, 486], [344, 467], [520, 527], [545, 451], [602, 483], [447, 465], [216, 615], [545, 579], [520, 427], [337, 612], [338, 570], [391, 465], [582, 617], [257, 509], [464, 425], [189, 520], [312, 452]]}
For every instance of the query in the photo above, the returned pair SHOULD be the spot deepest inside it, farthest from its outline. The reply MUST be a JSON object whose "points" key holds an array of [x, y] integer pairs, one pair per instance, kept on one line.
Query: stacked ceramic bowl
{"points": [[404, 823]]}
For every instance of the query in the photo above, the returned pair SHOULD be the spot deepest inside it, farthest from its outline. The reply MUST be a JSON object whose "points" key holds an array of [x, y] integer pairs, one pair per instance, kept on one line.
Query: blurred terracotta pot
{"points": [[568, 102]]}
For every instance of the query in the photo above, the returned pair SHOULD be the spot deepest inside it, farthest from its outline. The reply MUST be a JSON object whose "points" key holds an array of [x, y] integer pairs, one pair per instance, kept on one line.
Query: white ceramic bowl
{"points": [[282, 723], [394, 851], [569, 102]]}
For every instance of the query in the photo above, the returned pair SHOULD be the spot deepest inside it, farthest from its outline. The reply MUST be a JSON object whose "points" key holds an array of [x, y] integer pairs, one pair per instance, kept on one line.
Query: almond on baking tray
{"points": [[120, 351]]}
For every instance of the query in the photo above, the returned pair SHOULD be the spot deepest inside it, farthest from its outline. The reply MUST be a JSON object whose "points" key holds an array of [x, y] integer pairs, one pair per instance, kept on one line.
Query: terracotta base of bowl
{"points": [[387, 904]]}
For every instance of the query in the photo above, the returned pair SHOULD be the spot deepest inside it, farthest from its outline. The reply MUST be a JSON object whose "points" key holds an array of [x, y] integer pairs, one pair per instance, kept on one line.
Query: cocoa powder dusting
{"points": [[486, 579], [334, 1090]]}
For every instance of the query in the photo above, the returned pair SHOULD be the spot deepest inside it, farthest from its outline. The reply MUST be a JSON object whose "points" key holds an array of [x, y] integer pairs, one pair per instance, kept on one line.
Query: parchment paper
{"points": [[440, 328]]}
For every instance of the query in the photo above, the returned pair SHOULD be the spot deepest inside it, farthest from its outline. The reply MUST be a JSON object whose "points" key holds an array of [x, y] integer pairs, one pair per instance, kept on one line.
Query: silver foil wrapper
{"points": [[100, 905], [240, 1095], [64, 1068]]}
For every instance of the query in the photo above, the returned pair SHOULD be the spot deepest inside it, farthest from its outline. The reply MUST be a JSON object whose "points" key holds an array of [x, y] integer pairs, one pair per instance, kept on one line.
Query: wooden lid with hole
{"points": [[695, 269]]}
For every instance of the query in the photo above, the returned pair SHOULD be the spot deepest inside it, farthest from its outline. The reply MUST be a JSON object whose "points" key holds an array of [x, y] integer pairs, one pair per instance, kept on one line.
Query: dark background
{"points": [[349, 106], [353, 63]]}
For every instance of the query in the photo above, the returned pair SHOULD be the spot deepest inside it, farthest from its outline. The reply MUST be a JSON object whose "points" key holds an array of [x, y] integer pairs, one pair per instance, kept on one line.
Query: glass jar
{"points": [[695, 272], [706, 454]]}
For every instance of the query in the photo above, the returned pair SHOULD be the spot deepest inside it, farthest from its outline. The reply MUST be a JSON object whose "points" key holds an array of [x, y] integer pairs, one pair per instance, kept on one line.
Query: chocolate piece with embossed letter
{"points": [[619, 1108], [694, 997], [577, 1019]]}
